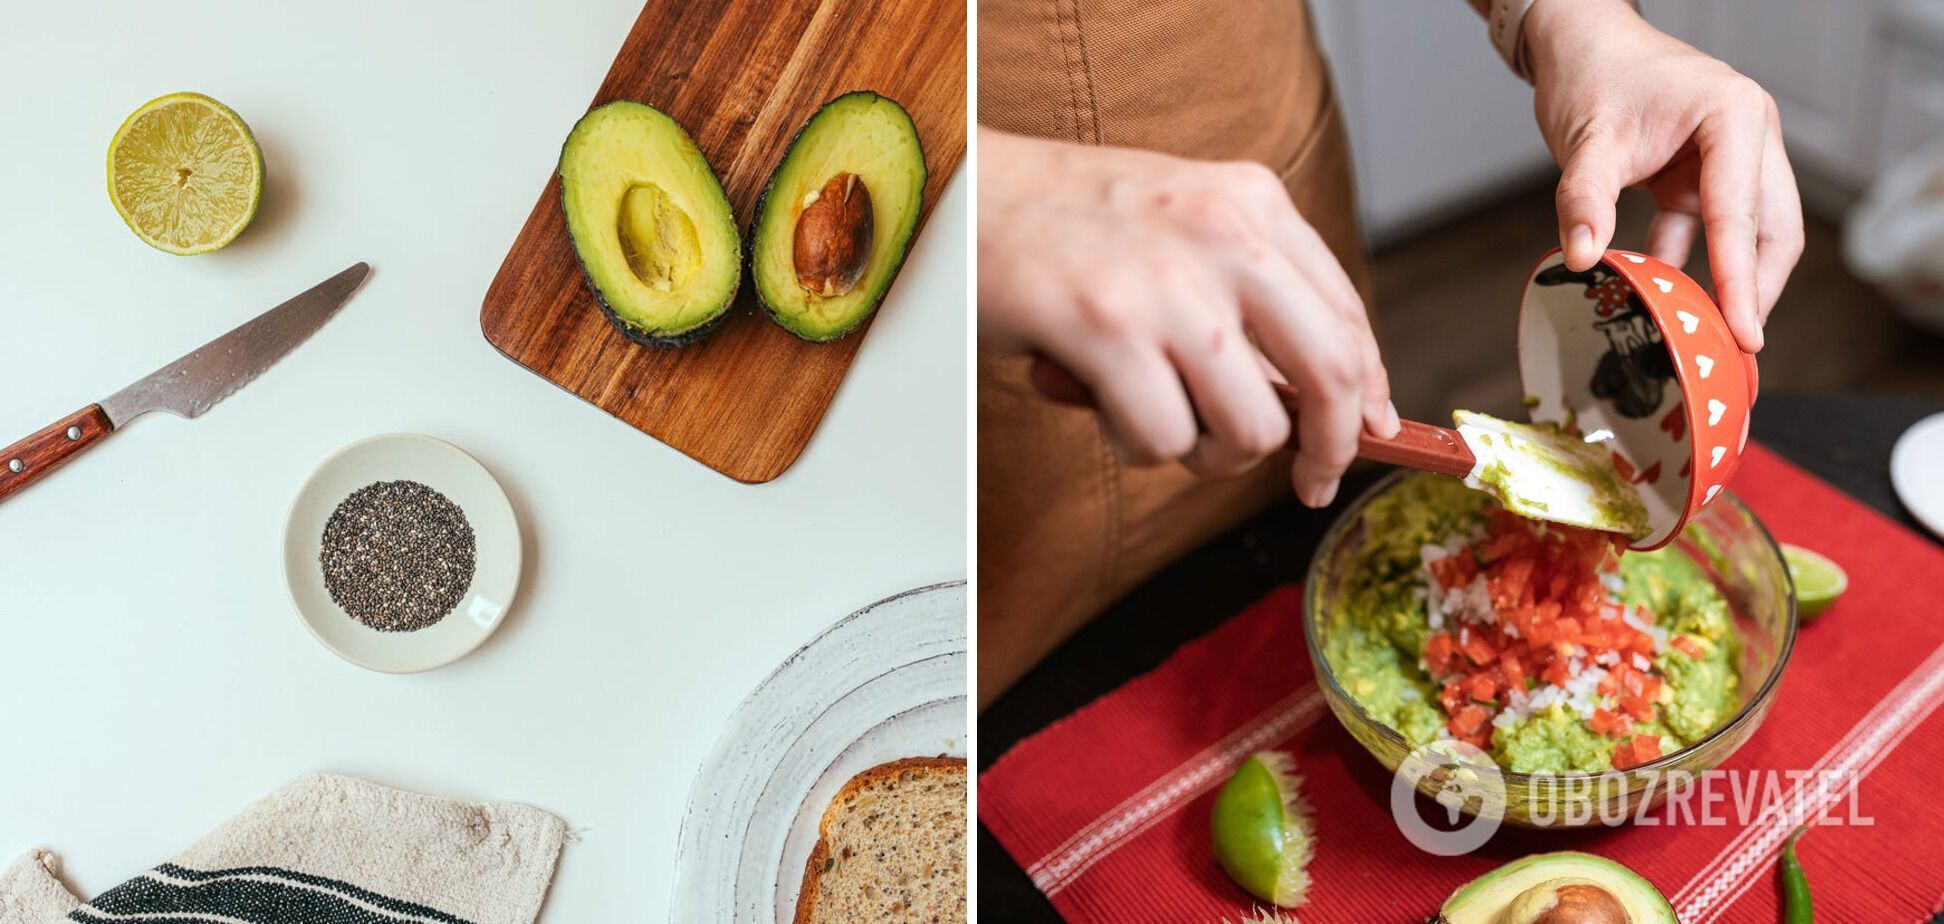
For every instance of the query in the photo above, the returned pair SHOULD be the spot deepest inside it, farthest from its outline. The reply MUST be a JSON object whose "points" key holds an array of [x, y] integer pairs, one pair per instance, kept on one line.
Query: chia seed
{"points": [[398, 556]]}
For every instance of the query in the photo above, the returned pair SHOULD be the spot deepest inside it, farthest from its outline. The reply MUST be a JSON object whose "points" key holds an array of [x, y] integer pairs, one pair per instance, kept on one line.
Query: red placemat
{"points": [[1108, 809]]}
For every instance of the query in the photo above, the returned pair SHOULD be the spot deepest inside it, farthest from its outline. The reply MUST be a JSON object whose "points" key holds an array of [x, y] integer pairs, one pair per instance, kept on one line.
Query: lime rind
{"points": [[1264, 835], [247, 142], [1818, 580]]}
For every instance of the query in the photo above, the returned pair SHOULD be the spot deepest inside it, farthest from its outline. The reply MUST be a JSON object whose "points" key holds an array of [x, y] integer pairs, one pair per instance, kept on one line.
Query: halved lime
{"points": [[185, 173], [1262, 832], [1818, 581]]}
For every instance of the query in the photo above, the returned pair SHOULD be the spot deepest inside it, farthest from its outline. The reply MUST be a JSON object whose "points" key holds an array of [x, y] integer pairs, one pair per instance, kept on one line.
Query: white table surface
{"points": [[154, 676]]}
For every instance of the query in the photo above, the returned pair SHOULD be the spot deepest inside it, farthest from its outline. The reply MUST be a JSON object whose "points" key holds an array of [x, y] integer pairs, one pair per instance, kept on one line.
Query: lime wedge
{"points": [[1262, 833], [1818, 581], [185, 173]]}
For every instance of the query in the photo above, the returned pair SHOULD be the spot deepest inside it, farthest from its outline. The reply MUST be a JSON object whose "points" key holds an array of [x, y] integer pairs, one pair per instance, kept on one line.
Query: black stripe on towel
{"points": [[299, 898]]}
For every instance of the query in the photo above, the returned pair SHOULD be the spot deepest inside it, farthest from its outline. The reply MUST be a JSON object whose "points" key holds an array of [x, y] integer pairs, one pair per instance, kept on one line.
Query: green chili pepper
{"points": [[1795, 886]]}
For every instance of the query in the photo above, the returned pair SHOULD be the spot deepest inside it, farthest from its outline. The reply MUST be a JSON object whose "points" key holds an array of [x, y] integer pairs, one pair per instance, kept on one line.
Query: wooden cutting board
{"points": [[742, 76]]}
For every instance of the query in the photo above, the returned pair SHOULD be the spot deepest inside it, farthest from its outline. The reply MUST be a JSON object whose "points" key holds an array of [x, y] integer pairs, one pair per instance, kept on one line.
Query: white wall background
{"points": [[1439, 125]]}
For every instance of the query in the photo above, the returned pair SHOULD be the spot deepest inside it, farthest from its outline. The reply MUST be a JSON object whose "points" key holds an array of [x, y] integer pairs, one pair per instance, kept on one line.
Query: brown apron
{"points": [[1064, 527]]}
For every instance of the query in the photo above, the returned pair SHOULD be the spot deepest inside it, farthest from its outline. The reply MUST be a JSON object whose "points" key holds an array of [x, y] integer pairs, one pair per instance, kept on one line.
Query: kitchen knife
{"points": [[187, 387]]}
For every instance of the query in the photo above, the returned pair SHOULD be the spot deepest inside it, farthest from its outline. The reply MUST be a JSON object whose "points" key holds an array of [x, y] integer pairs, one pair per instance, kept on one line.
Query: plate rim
{"points": [[1899, 463], [697, 782]]}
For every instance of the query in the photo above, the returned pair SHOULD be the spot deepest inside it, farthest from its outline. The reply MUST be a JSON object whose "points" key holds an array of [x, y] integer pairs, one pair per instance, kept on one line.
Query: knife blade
{"points": [[187, 387]]}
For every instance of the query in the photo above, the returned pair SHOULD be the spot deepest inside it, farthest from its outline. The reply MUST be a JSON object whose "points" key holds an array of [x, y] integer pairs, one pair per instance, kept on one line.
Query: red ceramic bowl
{"points": [[1635, 347]]}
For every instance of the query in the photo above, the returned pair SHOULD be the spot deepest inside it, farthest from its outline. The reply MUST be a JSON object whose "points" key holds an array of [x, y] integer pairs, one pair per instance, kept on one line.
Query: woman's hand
{"points": [[1622, 104], [1153, 279]]}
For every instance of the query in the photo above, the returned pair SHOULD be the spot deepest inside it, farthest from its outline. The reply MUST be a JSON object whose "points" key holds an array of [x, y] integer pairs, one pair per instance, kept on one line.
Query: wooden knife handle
{"points": [[29, 460], [1416, 445]]}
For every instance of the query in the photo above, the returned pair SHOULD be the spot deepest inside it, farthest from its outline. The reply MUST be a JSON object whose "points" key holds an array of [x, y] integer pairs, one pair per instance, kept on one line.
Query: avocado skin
{"points": [[1637, 895], [637, 334], [648, 338], [762, 202]]}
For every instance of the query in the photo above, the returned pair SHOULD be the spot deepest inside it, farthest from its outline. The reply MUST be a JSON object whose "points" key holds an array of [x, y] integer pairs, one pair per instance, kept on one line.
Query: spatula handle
{"points": [[1416, 445], [31, 459]]}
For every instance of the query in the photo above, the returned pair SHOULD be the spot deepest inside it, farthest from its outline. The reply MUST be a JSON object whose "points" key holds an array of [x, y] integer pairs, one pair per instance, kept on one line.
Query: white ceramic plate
{"points": [[450, 471], [887, 682], [1917, 471]]}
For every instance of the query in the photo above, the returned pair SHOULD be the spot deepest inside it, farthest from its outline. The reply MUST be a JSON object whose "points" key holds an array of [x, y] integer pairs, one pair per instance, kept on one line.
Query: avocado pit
{"points": [[1567, 887], [1567, 901], [833, 236]]}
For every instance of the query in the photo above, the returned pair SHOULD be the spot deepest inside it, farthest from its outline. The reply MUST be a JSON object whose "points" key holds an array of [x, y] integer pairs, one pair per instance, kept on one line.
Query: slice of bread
{"points": [[891, 847]]}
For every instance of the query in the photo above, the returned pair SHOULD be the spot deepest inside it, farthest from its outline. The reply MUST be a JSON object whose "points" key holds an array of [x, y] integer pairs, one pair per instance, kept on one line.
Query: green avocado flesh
{"points": [[1375, 634], [1542, 472], [858, 133], [1567, 885], [649, 223]]}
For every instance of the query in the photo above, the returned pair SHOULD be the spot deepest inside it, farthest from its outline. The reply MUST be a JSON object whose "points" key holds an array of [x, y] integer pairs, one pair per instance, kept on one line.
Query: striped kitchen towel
{"points": [[326, 849], [1108, 809]]}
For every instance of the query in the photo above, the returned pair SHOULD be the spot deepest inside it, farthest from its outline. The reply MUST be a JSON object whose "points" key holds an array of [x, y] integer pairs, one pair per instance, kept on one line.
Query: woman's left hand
{"points": [[1621, 104]]}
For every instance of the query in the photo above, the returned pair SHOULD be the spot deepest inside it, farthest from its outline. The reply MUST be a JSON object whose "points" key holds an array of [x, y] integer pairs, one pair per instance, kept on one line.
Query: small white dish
{"points": [[444, 468], [1917, 471]]}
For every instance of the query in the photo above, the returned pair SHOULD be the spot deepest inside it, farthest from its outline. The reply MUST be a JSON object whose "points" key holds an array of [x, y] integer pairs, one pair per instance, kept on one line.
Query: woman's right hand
{"points": [[1153, 280]]}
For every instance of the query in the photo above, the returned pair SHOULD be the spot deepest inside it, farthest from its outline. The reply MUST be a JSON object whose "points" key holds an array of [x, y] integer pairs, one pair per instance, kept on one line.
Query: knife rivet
{"points": [[16, 466], [74, 433]]}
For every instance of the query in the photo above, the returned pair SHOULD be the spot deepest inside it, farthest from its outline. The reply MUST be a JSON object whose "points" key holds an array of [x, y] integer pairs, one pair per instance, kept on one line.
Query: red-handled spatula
{"points": [[1533, 471]]}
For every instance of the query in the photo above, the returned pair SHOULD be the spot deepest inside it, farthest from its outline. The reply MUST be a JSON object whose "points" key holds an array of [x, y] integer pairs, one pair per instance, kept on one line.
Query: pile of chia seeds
{"points": [[398, 556]]}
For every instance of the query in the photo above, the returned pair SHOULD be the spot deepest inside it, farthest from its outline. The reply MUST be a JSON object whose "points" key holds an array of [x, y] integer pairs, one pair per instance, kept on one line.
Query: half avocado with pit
{"points": [[1567, 887], [650, 224], [837, 216]]}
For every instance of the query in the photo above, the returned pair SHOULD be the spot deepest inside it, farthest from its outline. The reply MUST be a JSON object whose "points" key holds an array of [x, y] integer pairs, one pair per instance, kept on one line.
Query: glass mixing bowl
{"points": [[1732, 548]]}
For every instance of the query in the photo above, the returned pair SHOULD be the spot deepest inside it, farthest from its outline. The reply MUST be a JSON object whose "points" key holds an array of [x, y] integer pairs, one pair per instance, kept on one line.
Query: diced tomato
{"points": [[1639, 709], [1556, 673], [1514, 670], [1607, 723], [1454, 570], [1439, 650], [1636, 751], [1553, 612], [1469, 720], [1479, 650], [1687, 646]]}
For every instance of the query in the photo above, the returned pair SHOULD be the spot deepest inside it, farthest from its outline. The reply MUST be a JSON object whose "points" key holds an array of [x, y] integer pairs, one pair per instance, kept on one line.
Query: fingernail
{"points": [[1326, 495], [1579, 243], [1393, 422]]}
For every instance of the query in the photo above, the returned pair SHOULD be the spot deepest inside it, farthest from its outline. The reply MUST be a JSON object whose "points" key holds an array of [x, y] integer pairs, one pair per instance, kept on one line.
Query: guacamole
{"points": [[1546, 646]]}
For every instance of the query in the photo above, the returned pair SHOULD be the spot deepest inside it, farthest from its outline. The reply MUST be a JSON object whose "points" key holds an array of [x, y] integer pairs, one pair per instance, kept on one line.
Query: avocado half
{"points": [[650, 224], [1568, 887], [837, 216]]}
